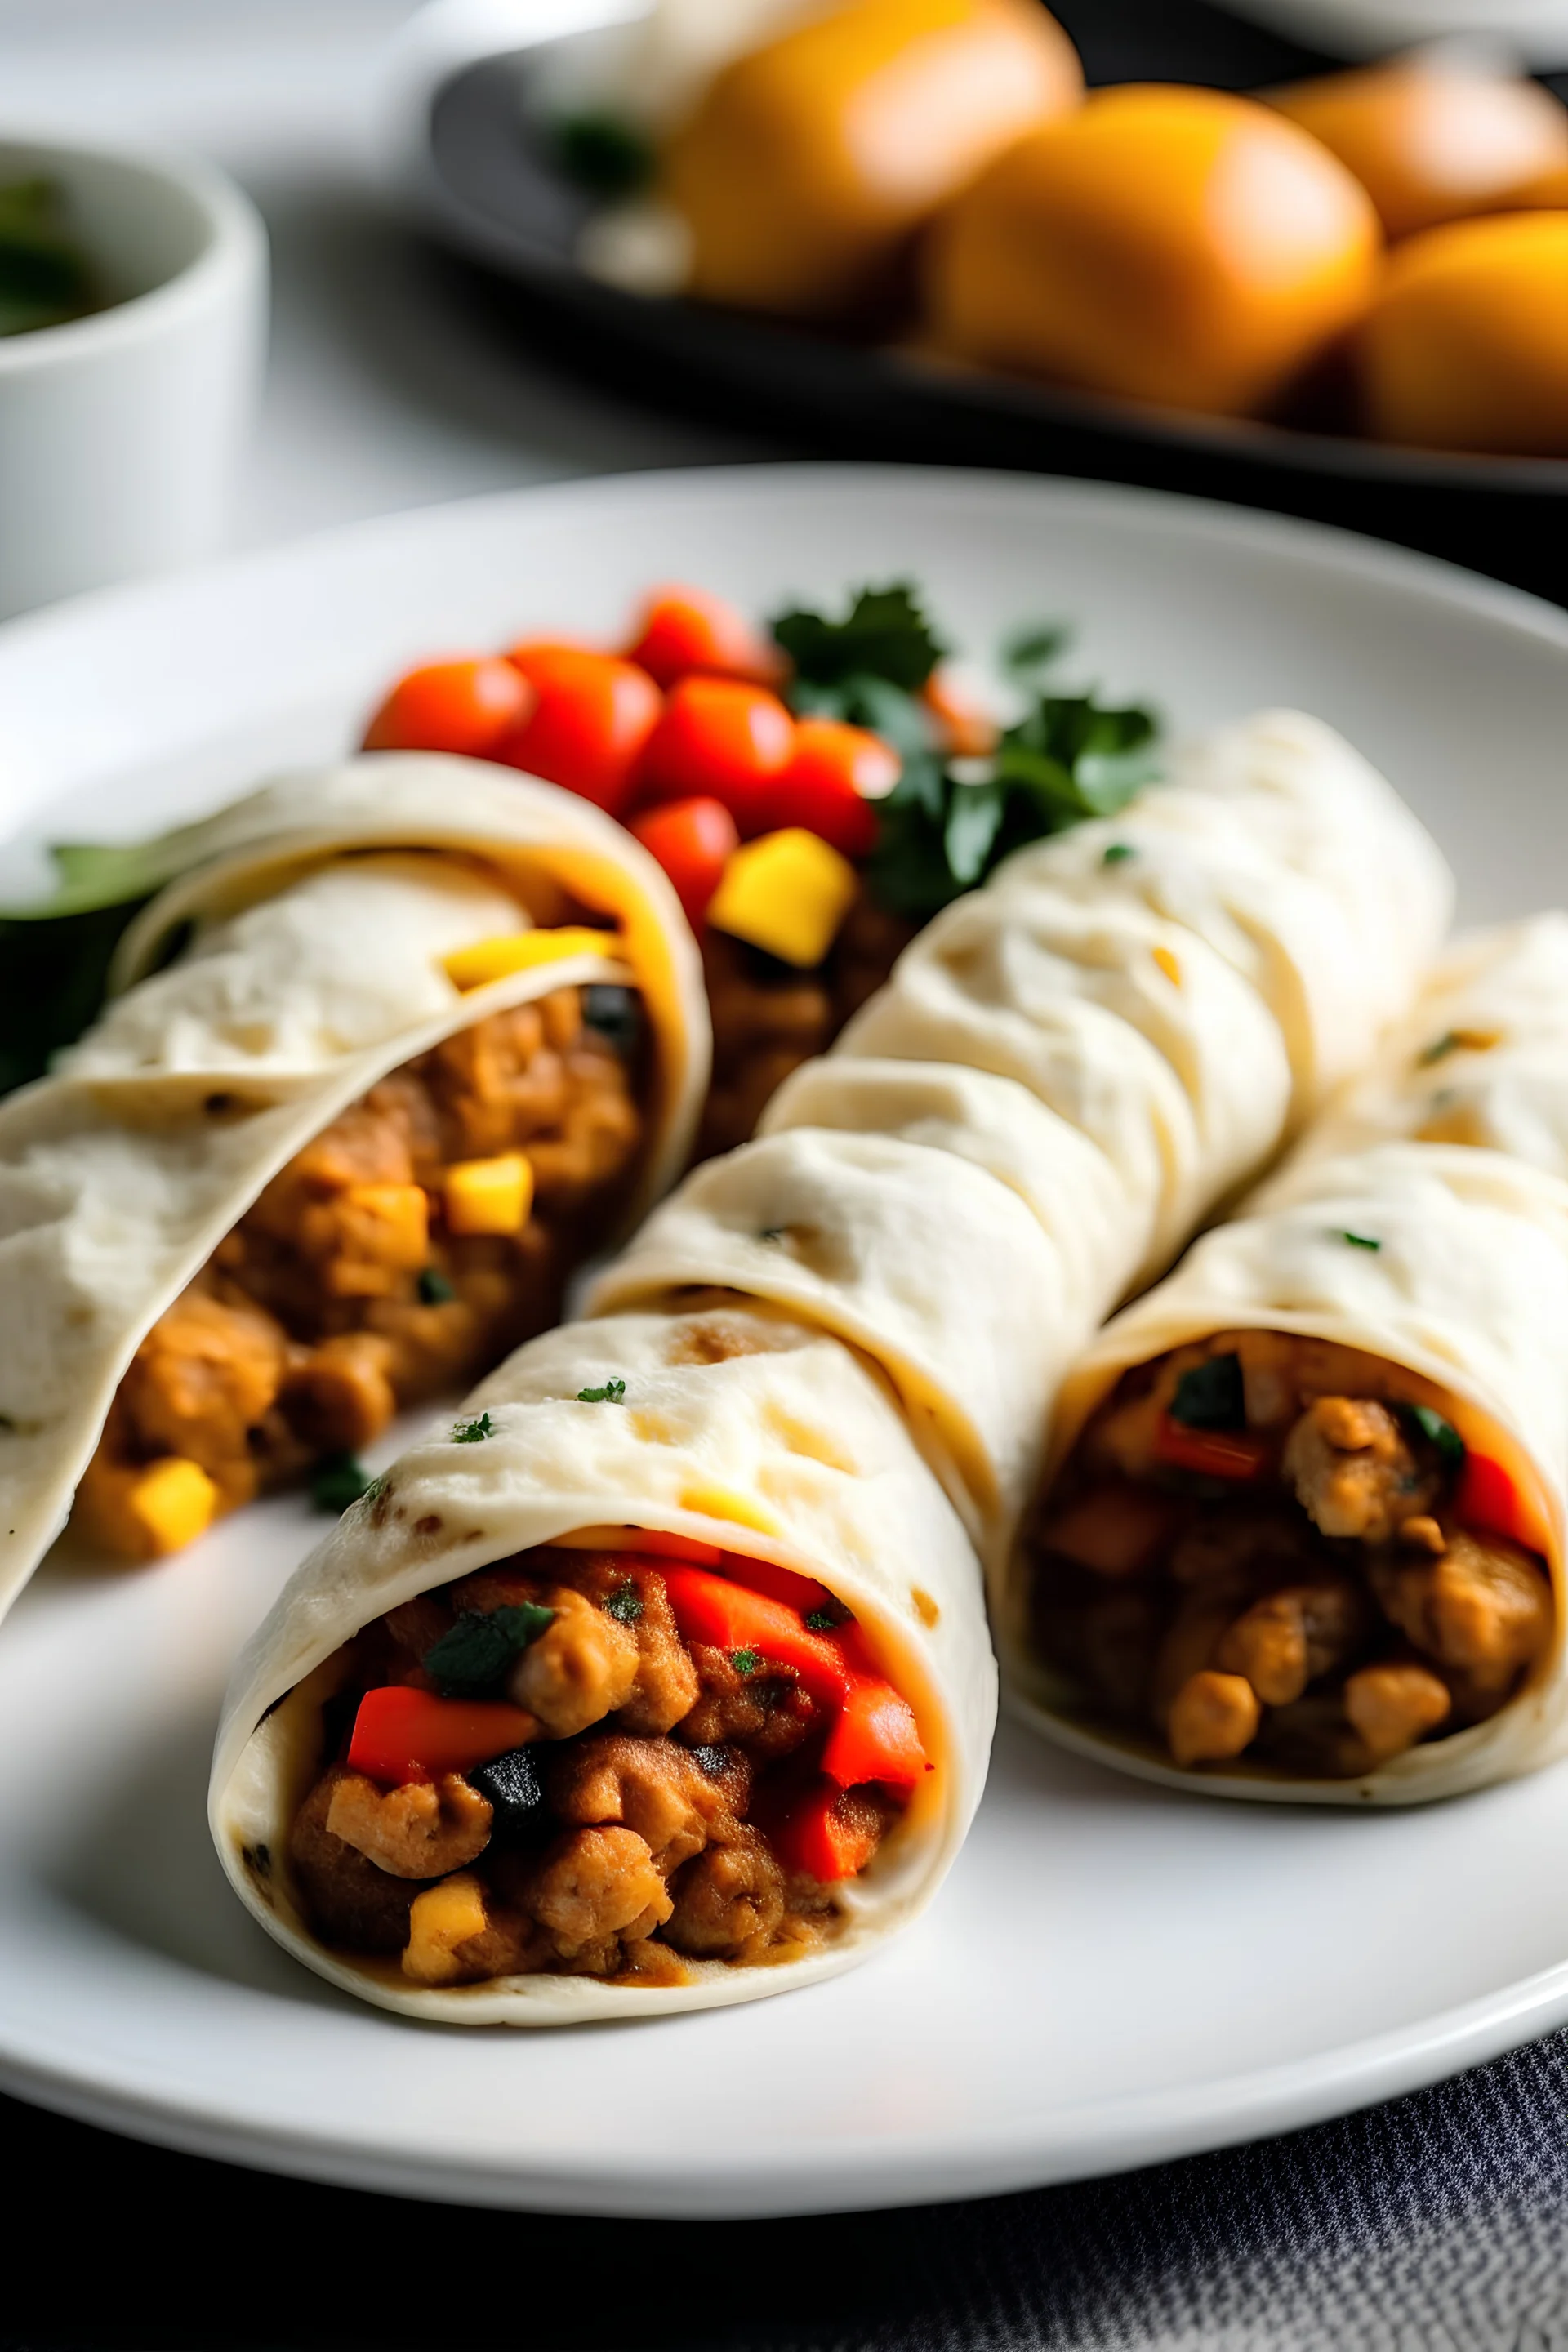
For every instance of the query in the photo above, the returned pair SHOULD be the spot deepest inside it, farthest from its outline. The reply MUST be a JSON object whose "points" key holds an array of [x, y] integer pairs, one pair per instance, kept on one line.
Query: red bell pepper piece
{"points": [[693, 840], [410, 1735], [729, 1616], [819, 1835], [684, 629], [798, 1592], [1213, 1453], [1488, 1498], [874, 1738], [832, 783]]}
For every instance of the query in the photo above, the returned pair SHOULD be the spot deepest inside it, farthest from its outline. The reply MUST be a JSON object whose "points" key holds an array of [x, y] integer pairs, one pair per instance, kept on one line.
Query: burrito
{"points": [[1069, 1070], [1302, 1534], [658, 1680], [404, 1043]]}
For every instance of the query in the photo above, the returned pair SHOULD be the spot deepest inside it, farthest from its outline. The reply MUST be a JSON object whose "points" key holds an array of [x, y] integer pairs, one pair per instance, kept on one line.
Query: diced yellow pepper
{"points": [[1169, 964], [171, 1504], [490, 1196], [443, 1917], [386, 1224], [786, 893], [498, 958]]}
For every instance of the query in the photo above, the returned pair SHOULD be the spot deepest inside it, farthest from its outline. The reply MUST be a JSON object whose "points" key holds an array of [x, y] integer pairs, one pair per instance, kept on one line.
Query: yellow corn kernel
{"points": [[1168, 965], [170, 1502], [443, 1917], [490, 1196], [498, 958], [719, 1503], [786, 893]]}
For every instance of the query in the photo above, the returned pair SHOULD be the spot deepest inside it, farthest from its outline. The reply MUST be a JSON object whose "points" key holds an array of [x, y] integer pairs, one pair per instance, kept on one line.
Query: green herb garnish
{"points": [[603, 154], [473, 1433], [624, 1604], [1115, 851], [825, 1619], [885, 634], [613, 1393], [376, 1487], [772, 1233], [1437, 1432], [337, 1482], [435, 1290], [1359, 1241], [1211, 1395], [474, 1654], [746, 1662], [1029, 651], [1439, 1049]]}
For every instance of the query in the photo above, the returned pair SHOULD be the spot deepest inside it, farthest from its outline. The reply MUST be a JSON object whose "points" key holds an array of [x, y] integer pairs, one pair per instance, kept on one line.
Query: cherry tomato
{"points": [[692, 840], [965, 726], [588, 729], [830, 785], [684, 630], [454, 706], [723, 739]]}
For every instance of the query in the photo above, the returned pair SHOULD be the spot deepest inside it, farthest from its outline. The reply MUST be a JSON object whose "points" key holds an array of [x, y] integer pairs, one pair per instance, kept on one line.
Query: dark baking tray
{"points": [[489, 190]]}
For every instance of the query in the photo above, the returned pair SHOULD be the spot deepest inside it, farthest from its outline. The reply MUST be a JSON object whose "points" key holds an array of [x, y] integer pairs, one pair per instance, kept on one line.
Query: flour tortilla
{"points": [[314, 970], [1467, 1292], [1128, 1044], [739, 1428]]}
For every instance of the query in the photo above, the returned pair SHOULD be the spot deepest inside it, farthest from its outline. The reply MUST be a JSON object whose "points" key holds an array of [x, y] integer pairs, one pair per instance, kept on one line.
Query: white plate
{"points": [[1113, 1974], [1536, 31]]}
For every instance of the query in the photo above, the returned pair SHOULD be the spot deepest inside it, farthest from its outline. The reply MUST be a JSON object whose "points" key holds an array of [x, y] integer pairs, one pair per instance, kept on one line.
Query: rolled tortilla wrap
{"points": [[737, 1429], [1302, 1534], [312, 962], [1138, 1062]]}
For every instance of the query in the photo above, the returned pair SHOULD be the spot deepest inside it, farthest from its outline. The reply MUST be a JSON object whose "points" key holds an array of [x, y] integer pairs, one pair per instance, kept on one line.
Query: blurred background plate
{"points": [[462, 142], [1536, 30]]}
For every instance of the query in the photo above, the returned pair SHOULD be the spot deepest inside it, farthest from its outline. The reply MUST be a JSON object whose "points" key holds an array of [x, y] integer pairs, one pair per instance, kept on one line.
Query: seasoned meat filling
{"points": [[1268, 1546], [617, 1797], [428, 1229], [769, 1018]]}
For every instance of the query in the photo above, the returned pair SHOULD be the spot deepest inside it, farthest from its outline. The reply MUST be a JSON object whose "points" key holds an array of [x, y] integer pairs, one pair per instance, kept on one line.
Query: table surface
{"points": [[1440, 2220]]}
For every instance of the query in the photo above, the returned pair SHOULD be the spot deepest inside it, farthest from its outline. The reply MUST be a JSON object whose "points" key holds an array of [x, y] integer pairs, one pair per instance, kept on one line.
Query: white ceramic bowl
{"points": [[121, 433], [1536, 31]]}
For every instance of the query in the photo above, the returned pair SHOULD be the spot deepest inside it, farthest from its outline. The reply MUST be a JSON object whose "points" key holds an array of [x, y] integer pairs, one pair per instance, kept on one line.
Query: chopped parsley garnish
{"points": [[1358, 1240], [376, 1487], [1439, 1049], [603, 154], [1211, 1395], [1116, 852], [613, 1393], [473, 1655], [825, 1619], [746, 1662], [1029, 651], [513, 1786], [884, 635], [473, 1433], [1424, 1423], [615, 1014], [435, 1290], [624, 1604], [337, 1482], [772, 1233]]}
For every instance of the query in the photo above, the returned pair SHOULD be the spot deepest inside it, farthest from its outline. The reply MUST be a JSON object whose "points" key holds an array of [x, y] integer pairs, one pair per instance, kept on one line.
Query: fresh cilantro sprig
{"points": [[943, 827], [473, 1653], [475, 1432], [612, 1392]]}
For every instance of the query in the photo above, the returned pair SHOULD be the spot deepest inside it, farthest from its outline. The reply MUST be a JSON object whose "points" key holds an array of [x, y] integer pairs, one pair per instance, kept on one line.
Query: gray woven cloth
{"points": [[1435, 2224]]}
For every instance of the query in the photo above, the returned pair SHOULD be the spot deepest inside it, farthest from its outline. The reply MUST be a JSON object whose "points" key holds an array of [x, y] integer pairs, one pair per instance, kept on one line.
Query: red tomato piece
{"points": [[683, 631], [693, 841], [1488, 1498], [454, 706], [589, 726], [728, 1616], [875, 1738], [964, 727], [401, 1735], [724, 741], [801, 1594], [812, 1835], [1213, 1453], [837, 774]]}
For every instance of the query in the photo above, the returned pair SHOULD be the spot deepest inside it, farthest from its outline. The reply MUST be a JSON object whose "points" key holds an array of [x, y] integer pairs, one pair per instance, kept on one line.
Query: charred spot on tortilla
{"points": [[430, 1524]]}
